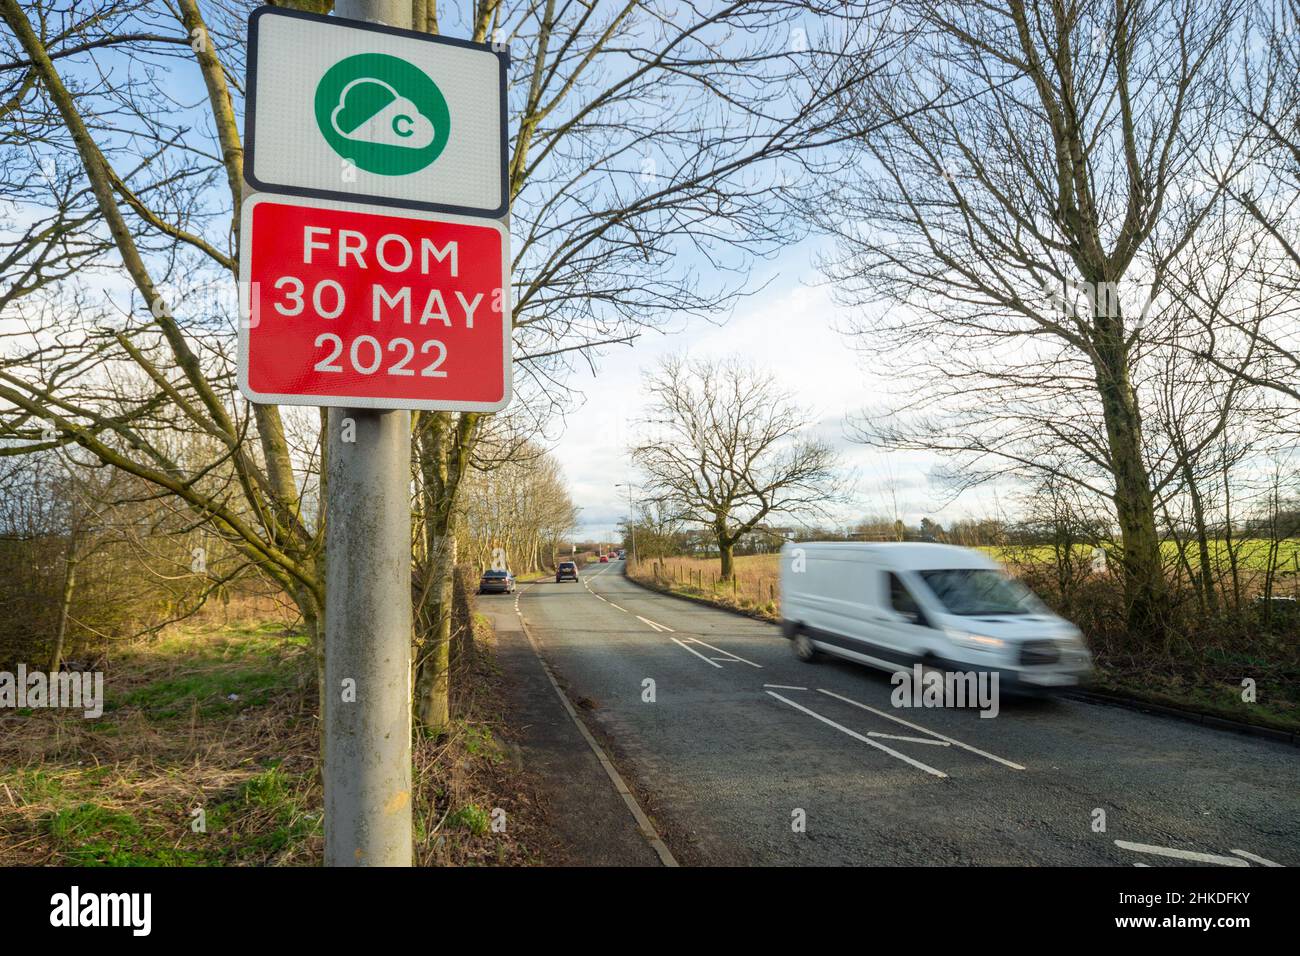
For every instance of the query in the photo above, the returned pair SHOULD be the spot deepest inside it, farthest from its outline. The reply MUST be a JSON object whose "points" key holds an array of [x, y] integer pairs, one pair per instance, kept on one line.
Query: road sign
{"points": [[345, 109], [371, 307]]}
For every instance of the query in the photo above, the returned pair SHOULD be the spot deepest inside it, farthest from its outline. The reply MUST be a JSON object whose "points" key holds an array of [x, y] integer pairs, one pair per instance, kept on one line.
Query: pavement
{"points": [[744, 755], [591, 821]]}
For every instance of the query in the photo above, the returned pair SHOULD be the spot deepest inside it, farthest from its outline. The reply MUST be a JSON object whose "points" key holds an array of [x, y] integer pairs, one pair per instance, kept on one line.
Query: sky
{"points": [[790, 329]]}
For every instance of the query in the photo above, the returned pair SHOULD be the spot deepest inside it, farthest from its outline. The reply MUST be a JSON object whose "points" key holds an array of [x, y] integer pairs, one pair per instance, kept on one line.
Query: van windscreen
{"points": [[979, 591]]}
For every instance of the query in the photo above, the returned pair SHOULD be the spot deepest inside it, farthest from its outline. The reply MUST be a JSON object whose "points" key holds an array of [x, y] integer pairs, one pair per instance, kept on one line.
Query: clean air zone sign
{"points": [[374, 262], [343, 109]]}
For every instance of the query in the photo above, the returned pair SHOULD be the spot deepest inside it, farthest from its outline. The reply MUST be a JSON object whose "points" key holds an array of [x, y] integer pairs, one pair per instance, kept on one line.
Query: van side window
{"points": [[901, 600]]}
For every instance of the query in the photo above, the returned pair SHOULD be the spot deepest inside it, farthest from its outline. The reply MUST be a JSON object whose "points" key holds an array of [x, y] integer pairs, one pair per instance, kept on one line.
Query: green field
{"points": [[1252, 554]]}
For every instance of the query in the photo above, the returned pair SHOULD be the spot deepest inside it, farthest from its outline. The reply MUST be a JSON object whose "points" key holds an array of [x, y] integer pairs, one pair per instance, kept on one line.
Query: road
{"points": [[741, 742]]}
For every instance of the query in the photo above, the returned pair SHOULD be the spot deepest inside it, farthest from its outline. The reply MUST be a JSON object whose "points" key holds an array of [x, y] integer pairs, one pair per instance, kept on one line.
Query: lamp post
{"points": [[631, 517]]}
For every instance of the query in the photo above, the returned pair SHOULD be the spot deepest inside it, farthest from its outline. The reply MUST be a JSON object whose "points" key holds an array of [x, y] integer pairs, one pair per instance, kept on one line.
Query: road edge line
{"points": [[642, 821]]}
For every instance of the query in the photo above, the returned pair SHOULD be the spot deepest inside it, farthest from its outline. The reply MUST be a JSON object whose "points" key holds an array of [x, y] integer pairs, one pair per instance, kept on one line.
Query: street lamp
{"points": [[631, 519]]}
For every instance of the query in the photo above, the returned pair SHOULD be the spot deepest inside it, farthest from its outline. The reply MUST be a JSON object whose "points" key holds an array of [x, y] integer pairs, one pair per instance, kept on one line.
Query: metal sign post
{"points": [[375, 272], [367, 772]]}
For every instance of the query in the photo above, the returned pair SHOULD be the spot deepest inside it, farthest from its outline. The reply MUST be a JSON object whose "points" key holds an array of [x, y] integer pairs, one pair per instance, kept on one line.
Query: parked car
{"points": [[622, 555], [566, 570], [891, 605], [496, 582], [604, 559]]}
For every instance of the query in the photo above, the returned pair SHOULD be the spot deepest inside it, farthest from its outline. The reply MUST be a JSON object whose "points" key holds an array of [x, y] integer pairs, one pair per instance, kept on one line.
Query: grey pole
{"points": [[631, 515], [395, 13], [367, 772], [368, 639]]}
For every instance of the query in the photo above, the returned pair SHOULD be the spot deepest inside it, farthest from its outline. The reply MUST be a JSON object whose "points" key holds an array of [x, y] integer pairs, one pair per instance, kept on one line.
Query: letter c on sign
{"points": [[400, 130]]}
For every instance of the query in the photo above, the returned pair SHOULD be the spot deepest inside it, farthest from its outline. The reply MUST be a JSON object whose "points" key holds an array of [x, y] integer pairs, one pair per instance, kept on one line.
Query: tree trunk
{"points": [[1145, 590], [433, 624], [313, 620], [1227, 539], [444, 447], [1209, 596], [65, 605], [726, 548]]}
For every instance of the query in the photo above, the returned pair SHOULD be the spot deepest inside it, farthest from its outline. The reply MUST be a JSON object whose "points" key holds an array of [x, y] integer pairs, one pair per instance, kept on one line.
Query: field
{"points": [[754, 588]]}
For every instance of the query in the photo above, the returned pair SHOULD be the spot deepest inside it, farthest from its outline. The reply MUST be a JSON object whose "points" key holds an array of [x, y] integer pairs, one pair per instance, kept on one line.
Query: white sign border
{"points": [[340, 401]]}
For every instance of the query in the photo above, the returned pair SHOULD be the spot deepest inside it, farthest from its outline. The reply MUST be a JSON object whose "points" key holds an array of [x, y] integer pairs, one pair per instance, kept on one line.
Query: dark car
{"points": [[566, 570], [496, 582]]}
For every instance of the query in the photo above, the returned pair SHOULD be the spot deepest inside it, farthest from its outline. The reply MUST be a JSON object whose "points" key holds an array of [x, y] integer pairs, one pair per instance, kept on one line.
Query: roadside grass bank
{"points": [[1201, 670], [752, 591], [207, 754]]}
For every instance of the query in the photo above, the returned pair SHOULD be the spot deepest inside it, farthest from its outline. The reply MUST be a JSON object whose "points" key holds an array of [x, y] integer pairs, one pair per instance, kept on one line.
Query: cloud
{"points": [[371, 111]]}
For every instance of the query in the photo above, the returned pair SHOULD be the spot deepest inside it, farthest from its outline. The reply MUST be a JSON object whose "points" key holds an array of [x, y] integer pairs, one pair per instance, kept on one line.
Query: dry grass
{"points": [[472, 778], [121, 789], [753, 589]]}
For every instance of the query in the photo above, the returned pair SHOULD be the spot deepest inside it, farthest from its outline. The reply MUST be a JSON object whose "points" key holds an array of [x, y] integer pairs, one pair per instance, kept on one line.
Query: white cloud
{"points": [[792, 329]]}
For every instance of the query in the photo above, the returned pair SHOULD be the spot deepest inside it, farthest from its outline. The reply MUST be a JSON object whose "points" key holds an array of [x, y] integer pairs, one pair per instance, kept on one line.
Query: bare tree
{"points": [[516, 513], [641, 130], [729, 449], [1266, 107], [1017, 245]]}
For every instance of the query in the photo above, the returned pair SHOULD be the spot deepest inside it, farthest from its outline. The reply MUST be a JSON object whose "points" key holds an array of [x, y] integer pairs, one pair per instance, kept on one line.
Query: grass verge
{"points": [[207, 754]]}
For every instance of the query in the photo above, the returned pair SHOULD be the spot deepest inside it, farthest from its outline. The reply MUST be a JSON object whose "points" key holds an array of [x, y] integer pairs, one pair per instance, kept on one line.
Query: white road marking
{"points": [[924, 730], [912, 740], [1180, 854], [857, 736], [696, 653], [784, 687], [654, 624], [1255, 859], [616, 607], [696, 640]]}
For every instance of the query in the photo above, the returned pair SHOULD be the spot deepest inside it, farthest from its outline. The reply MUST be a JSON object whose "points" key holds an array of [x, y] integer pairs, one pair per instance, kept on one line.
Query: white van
{"points": [[894, 604]]}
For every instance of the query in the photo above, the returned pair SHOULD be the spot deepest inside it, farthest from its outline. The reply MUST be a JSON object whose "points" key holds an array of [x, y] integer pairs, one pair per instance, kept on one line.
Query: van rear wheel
{"points": [[803, 648]]}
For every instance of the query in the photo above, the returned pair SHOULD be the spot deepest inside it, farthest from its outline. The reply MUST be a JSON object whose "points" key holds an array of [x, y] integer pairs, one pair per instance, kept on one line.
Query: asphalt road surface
{"points": [[742, 742]]}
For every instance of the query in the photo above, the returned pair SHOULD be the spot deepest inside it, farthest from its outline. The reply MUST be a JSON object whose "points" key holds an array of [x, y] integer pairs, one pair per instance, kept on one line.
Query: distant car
{"points": [[566, 570], [622, 555], [496, 582], [604, 559]]}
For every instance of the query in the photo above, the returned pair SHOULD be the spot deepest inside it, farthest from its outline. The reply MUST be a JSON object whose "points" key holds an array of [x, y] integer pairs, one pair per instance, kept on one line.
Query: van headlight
{"points": [[979, 642]]}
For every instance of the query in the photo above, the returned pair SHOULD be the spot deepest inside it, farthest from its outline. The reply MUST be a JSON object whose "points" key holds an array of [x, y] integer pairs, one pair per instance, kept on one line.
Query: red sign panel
{"points": [[360, 306]]}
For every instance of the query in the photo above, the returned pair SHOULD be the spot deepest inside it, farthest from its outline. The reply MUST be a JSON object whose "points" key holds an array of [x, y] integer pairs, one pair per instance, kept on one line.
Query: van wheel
{"points": [[803, 649]]}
